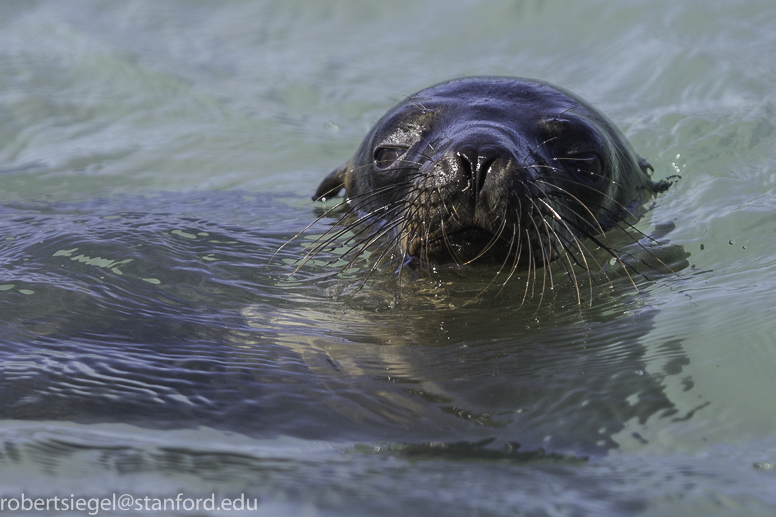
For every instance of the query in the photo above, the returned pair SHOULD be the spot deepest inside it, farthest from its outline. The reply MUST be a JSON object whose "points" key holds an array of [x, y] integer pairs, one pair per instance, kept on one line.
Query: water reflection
{"points": [[473, 374]]}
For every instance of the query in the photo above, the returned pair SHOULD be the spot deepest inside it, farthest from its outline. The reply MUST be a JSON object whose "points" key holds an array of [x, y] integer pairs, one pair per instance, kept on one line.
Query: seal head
{"points": [[490, 168]]}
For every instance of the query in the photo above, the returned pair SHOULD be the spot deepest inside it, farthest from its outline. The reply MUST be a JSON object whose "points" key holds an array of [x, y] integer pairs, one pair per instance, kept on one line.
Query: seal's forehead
{"points": [[504, 92], [524, 108]]}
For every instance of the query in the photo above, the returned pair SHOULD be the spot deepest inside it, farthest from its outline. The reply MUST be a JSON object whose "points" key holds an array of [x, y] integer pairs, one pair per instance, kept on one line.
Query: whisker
{"points": [[516, 261], [503, 264], [579, 245], [490, 244], [614, 215]]}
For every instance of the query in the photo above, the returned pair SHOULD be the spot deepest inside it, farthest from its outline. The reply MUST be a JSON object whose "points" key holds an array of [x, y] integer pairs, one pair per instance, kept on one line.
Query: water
{"points": [[153, 157]]}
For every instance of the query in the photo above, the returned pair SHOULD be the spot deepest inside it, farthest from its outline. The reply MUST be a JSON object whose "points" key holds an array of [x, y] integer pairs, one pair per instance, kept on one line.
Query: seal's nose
{"points": [[476, 163]]}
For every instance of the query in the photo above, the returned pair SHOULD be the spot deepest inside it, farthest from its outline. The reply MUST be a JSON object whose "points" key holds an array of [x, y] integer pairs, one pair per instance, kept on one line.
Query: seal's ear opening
{"points": [[331, 184], [645, 166], [656, 186]]}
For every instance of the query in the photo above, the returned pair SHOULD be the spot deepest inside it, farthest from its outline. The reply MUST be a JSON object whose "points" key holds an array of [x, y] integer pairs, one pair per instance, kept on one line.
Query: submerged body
{"points": [[480, 169]]}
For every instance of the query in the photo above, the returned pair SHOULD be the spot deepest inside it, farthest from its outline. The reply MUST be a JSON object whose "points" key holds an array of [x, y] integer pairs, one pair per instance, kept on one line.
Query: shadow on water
{"points": [[162, 312]]}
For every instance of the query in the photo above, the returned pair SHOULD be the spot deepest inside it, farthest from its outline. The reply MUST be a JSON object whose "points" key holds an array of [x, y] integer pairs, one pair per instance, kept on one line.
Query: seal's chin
{"points": [[463, 246]]}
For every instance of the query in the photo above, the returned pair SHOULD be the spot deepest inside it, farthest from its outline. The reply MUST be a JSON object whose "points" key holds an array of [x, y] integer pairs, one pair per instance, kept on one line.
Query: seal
{"points": [[488, 169]]}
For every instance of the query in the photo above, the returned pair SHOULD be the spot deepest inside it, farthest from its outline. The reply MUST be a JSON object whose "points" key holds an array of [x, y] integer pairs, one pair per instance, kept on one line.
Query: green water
{"points": [[153, 158]]}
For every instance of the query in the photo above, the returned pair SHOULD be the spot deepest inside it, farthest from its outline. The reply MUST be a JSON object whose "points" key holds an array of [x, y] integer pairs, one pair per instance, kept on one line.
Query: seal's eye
{"points": [[387, 156], [587, 166]]}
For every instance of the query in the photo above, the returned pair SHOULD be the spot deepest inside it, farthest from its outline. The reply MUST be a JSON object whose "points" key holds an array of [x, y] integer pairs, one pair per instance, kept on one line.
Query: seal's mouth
{"points": [[461, 247]]}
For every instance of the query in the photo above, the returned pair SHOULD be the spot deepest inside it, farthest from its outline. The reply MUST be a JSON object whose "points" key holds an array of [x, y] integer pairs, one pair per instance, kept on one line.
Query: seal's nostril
{"points": [[467, 159], [483, 168], [475, 165]]}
